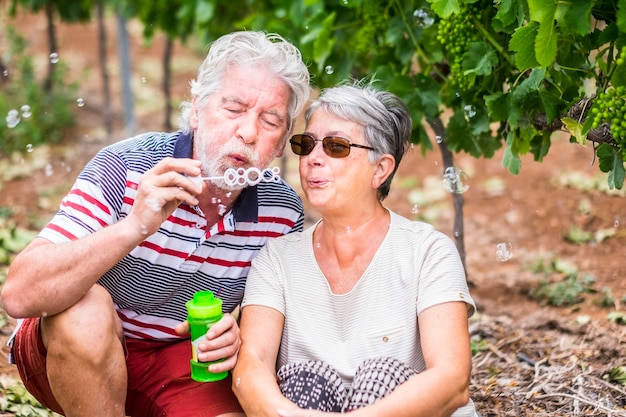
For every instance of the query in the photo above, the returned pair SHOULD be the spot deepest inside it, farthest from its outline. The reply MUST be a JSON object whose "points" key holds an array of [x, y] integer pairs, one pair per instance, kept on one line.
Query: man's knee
{"points": [[87, 329]]}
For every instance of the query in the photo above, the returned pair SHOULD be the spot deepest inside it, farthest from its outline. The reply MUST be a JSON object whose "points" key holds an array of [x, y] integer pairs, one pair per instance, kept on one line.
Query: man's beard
{"points": [[215, 162]]}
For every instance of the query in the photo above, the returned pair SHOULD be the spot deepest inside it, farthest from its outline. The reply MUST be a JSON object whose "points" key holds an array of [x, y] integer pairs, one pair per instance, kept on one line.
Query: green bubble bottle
{"points": [[203, 311]]}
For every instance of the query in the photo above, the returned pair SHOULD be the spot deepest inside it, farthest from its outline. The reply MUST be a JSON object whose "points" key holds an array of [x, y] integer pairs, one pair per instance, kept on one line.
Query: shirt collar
{"points": [[246, 207]]}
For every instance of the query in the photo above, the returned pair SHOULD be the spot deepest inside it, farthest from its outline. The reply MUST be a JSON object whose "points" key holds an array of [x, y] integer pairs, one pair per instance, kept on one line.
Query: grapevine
{"points": [[455, 34], [610, 108]]}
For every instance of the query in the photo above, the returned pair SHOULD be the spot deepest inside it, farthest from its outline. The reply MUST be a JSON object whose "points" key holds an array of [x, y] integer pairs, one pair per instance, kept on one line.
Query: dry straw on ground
{"points": [[547, 368]]}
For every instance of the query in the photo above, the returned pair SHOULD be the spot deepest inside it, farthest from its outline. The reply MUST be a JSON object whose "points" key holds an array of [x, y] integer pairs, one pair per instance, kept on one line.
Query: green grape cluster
{"points": [[456, 33], [610, 107]]}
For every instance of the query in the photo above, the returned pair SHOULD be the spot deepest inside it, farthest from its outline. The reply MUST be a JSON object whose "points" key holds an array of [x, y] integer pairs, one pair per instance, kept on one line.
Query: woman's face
{"points": [[336, 184]]}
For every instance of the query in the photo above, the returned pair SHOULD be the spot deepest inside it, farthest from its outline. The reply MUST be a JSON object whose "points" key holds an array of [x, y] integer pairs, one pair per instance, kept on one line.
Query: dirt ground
{"points": [[536, 359]]}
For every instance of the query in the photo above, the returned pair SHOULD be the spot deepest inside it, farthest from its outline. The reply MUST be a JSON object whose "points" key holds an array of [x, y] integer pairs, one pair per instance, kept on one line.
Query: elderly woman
{"points": [[365, 311]]}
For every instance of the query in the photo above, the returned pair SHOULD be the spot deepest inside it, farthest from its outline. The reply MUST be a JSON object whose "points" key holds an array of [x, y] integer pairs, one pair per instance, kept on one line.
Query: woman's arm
{"points": [[254, 376]]}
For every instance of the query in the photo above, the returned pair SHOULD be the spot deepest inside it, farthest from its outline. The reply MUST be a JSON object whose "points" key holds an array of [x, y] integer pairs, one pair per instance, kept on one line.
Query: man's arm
{"points": [[47, 278]]}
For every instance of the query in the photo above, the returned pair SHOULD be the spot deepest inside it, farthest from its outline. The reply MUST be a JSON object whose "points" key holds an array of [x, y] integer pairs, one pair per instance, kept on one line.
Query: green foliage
{"points": [[566, 291], [478, 346], [617, 374], [508, 71], [32, 116], [14, 399]]}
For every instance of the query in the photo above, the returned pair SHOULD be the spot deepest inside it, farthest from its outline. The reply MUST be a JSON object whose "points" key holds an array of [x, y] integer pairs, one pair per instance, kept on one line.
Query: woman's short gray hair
{"points": [[250, 48], [384, 117]]}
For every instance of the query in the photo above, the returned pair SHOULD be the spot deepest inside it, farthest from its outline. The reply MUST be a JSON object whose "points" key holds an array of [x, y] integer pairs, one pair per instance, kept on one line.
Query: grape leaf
{"points": [[506, 12], [523, 42], [544, 12], [479, 59], [575, 129], [611, 162], [511, 160], [324, 43], [445, 8], [621, 15], [575, 16], [498, 106]]}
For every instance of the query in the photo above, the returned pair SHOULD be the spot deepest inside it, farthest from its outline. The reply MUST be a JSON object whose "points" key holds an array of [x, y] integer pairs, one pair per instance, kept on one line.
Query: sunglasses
{"points": [[333, 146]]}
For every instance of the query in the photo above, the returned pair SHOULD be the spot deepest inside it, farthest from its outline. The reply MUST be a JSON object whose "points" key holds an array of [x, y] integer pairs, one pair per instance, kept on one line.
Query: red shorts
{"points": [[159, 379]]}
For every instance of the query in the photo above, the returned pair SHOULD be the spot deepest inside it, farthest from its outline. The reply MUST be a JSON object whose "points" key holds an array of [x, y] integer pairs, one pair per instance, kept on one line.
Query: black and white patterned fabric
{"points": [[315, 385]]}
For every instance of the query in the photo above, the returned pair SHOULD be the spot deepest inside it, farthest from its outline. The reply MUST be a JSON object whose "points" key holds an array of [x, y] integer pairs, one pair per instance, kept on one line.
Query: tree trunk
{"points": [[167, 76], [457, 198], [52, 41], [130, 124], [104, 72]]}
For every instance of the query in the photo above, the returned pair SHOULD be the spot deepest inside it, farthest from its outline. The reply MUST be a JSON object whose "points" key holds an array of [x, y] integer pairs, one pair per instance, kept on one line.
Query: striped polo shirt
{"points": [[152, 283]]}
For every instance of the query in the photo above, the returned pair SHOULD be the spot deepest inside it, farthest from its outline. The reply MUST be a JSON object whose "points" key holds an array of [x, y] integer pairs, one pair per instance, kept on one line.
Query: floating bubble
{"points": [[26, 111], [470, 111], [415, 209], [154, 204], [54, 58], [13, 118], [48, 170], [5, 73], [454, 180], [329, 69], [616, 223], [221, 209], [439, 138], [80, 102], [30, 148], [214, 200], [423, 18], [504, 251]]}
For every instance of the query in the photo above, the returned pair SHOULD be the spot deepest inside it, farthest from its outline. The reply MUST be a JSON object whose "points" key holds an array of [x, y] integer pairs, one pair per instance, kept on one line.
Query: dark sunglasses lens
{"points": [[336, 147], [302, 144]]}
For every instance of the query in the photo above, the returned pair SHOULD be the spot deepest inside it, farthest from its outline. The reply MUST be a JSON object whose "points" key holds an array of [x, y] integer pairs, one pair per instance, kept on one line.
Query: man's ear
{"points": [[384, 168], [193, 114]]}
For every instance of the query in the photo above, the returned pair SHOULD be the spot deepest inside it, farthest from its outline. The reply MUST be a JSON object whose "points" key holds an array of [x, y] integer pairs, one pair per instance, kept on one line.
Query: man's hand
{"points": [[222, 342], [162, 189]]}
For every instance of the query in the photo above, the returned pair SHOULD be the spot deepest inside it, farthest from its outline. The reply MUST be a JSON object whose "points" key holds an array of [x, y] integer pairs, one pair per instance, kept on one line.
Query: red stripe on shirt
{"points": [[62, 231], [162, 329], [90, 199], [84, 210], [160, 249]]}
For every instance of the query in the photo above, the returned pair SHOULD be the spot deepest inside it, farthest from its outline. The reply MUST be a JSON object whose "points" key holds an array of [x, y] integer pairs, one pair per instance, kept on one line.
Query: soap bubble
{"points": [[329, 69], [423, 18], [5, 73], [154, 204], [415, 209], [30, 148], [504, 251], [470, 111], [54, 58], [13, 118], [49, 170], [80, 102], [439, 138], [454, 180], [26, 111]]}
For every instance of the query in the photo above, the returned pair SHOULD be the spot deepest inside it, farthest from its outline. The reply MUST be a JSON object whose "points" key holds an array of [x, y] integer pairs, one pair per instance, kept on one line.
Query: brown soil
{"points": [[537, 359]]}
